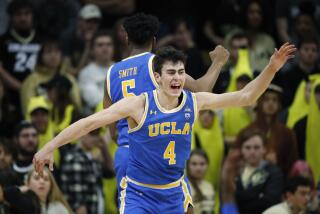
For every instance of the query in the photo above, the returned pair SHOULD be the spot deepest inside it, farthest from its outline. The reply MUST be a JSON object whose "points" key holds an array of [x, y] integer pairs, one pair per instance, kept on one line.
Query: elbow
{"points": [[248, 99]]}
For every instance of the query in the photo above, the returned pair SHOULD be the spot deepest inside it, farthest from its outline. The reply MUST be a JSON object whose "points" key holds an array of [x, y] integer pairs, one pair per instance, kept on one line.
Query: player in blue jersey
{"points": [[134, 75], [160, 123]]}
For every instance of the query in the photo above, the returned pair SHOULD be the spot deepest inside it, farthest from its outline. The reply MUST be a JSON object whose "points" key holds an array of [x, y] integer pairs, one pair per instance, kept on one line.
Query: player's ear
{"points": [[157, 76]]}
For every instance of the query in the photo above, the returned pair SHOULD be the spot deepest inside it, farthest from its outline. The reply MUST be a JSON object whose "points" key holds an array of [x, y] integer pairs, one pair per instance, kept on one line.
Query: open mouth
{"points": [[175, 86]]}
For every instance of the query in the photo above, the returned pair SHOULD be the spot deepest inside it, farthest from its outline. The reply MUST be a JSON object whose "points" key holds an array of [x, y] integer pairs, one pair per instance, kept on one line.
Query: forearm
{"points": [[255, 88], [207, 81]]}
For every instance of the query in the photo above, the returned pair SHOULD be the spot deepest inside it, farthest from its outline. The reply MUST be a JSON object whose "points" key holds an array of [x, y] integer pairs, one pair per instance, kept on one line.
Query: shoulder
{"points": [[279, 208]]}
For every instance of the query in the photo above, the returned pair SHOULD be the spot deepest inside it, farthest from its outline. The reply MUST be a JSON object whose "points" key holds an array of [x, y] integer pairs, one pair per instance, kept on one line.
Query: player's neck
{"points": [[166, 101], [137, 51]]}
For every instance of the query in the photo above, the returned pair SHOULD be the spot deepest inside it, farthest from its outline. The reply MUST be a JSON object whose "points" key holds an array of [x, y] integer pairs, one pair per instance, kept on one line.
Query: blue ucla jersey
{"points": [[129, 77], [161, 143]]}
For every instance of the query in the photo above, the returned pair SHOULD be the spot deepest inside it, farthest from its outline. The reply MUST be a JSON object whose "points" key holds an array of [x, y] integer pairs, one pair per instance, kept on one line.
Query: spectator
{"points": [[258, 183], [9, 113], [25, 137], [92, 77], [301, 168], [7, 152], [262, 45], [281, 146], [297, 193], [306, 132], [202, 191], [12, 199], [308, 50], [76, 42], [81, 175], [50, 63], [51, 198], [38, 112], [4, 19], [19, 48], [207, 135], [63, 112], [182, 39]]}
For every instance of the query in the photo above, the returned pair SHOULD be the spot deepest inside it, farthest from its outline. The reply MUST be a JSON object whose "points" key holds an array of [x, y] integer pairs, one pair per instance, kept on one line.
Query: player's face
{"points": [[28, 141], [300, 198], [22, 19], [172, 78], [197, 166], [103, 49], [253, 150], [40, 185], [270, 103]]}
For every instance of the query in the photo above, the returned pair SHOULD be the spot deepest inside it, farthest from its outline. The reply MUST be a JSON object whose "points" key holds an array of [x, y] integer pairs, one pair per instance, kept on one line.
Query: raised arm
{"points": [[219, 56], [128, 107], [252, 91]]}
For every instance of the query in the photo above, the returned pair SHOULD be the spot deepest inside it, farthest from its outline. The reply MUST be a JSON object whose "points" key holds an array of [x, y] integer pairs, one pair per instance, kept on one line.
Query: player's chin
{"points": [[175, 92]]}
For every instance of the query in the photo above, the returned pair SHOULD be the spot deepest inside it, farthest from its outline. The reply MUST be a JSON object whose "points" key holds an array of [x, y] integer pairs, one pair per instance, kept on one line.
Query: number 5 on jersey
{"points": [[128, 84], [169, 153]]}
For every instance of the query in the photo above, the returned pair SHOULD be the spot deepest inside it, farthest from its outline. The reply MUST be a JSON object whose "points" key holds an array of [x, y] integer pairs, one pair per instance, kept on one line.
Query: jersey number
{"points": [[23, 62], [169, 153], [128, 84]]}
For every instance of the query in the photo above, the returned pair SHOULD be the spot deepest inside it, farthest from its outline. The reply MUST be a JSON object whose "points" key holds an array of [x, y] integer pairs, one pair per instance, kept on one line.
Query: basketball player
{"points": [[134, 75], [160, 124]]}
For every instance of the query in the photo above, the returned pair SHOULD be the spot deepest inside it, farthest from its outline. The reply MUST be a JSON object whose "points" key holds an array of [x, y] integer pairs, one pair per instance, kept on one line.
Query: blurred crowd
{"points": [[54, 55]]}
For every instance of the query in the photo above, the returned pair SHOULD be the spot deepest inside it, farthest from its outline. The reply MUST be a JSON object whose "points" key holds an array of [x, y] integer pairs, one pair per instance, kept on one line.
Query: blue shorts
{"points": [[139, 199], [121, 159]]}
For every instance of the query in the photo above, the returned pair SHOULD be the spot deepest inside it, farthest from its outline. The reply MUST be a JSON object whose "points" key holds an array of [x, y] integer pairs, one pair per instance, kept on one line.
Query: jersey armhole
{"points": [[108, 82], [150, 68], [195, 106], [144, 116]]}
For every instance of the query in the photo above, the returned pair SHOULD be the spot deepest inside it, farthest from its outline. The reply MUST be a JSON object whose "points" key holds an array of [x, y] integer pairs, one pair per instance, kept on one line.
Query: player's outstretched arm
{"points": [[127, 107], [219, 56], [252, 91]]}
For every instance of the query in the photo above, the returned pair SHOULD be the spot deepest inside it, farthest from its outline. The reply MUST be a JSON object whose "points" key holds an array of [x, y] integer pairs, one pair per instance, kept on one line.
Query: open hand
{"points": [[280, 57], [41, 158], [219, 55]]}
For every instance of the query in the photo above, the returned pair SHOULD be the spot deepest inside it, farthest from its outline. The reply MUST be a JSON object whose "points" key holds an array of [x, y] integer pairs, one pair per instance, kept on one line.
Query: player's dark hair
{"points": [[166, 54], [294, 182], [141, 28]]}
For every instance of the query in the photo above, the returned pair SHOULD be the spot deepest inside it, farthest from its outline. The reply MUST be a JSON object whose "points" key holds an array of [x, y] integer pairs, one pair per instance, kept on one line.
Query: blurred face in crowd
{"points": [[235, 44], [241, 84], [197, 166], [88, 27], [103, 49], [120, 32], [27, 141], [51, 56], [300, 198], [22, 19], [270, 103], [183, 37], [5, 158], [254, 15], [40, 119], [304, 24], [206, 119], [308, 53], [90, 140], [40, 185], [253, 151]]}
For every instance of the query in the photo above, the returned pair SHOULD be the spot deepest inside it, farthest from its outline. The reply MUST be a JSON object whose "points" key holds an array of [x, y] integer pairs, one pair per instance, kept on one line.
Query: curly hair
{"points": [[141, 28]]}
